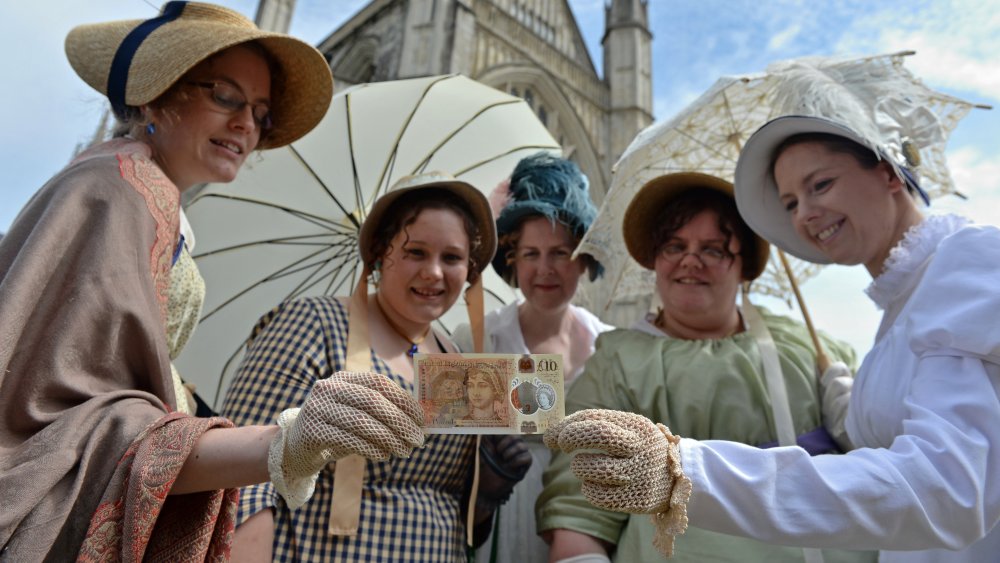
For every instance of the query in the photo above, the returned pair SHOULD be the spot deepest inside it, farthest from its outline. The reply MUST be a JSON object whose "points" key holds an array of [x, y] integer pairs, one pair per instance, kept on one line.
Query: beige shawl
{"points": [[85, 382]]}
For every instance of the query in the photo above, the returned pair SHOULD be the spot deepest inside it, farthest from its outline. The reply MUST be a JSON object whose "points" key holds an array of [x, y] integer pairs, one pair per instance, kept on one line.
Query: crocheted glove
{"points": [[835, 386], [504, 461], [347, 413], [639, 473]]}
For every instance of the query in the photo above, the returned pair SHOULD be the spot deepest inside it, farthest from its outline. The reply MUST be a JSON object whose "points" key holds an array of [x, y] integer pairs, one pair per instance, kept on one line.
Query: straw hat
{"points": [[133, 62], [638, 224], [473, 198], [757, 197], [548, 186]]}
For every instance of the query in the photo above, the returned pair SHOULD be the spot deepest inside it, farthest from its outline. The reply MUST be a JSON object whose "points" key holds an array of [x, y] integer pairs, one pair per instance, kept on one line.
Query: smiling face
{"points": [[546, 273], [196, 140], [696, 294], [481, 391], [425, 269], [846, 211]]}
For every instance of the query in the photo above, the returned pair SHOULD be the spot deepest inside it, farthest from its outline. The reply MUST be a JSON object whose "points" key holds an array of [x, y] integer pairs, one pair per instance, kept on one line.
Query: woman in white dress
{"points": [[541, 216], [924, 413]]}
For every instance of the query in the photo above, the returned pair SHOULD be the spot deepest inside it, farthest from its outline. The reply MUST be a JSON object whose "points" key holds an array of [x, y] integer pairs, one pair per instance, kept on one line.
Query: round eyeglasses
{"points": [[710, 256], [229, 98]]}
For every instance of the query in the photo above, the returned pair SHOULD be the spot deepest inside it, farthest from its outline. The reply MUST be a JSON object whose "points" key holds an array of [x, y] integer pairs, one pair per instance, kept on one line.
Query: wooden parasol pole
{"points": [[822, 361]]}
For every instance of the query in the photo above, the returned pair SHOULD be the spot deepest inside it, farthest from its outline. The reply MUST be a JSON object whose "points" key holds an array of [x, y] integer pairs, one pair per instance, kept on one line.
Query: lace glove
{"points": [[503, 462], [835, 385], [347, 413], [639, 473]]}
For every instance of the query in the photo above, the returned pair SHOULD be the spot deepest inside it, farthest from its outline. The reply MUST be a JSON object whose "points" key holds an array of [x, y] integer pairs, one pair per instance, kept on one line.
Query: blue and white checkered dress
{"points": [[410, 508]]}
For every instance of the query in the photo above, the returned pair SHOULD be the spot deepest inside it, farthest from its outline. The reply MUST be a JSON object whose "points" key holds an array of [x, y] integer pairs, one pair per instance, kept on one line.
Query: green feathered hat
{"points": [[548, 186]]}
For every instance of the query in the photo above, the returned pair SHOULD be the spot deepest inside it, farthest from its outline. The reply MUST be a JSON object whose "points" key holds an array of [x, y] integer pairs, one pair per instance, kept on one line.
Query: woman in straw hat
{"points": [[925, 410], [700, 364], [98, 292], [541, 212], [421, 242]]}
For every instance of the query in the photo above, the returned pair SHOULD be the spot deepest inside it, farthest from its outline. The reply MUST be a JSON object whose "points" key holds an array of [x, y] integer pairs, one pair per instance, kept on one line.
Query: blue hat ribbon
{"points": [[118, 75]]}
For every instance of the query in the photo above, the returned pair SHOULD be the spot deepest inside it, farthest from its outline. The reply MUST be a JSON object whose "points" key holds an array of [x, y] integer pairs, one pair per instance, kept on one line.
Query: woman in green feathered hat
{"points": [[542, 212]]}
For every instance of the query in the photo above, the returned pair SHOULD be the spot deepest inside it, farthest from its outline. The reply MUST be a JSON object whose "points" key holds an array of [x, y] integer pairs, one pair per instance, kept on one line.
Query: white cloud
{"points": [[956, 42], [783, 37], [977, 175]]}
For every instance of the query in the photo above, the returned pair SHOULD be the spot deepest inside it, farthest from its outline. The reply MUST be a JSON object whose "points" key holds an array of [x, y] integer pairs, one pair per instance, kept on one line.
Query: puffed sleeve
{"points": [[287, 354], [955, 311]]}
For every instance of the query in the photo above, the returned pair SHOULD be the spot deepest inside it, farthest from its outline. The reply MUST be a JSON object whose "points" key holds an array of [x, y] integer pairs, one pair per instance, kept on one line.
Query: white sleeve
{"points": [[462, 337], [835, 394], [937, 486]]}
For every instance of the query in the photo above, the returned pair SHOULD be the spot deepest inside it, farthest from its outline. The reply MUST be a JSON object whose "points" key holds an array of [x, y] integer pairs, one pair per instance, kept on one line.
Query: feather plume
{"points": [[875, 97], [500, 198]]}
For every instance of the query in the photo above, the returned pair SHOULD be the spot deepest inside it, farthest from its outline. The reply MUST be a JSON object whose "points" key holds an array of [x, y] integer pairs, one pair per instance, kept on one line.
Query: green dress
{"points": [[702, 389]]}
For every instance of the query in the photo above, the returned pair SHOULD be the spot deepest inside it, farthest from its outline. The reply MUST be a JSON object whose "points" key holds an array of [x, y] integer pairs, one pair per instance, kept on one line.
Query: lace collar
{"points": [[919, 242]]}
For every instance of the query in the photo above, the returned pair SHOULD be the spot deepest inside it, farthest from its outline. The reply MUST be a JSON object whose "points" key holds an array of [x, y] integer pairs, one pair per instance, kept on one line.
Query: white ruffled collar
{"points": [[919, 242]]}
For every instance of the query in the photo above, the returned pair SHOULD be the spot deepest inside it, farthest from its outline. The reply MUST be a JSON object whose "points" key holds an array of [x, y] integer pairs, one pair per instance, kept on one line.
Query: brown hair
{"points": [[404, 212], [507, 244], [493, 378], [865, 156], [134, 121], [687, 205]]}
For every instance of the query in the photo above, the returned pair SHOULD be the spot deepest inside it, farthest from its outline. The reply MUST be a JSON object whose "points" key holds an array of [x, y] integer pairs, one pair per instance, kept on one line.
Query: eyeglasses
{"points": [[710, 256], [229, 98]]}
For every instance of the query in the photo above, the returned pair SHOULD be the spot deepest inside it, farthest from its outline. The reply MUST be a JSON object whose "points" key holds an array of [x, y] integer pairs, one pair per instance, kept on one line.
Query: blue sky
{"points": [[47, 110]]}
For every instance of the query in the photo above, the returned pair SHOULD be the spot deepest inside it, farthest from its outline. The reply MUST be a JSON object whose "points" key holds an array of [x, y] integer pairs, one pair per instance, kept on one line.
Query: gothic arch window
{"points": [[543, 115], [529, 97]]}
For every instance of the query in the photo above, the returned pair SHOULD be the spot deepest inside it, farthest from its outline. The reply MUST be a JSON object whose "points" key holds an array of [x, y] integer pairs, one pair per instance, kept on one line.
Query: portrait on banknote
{"points": [[489, 393]]}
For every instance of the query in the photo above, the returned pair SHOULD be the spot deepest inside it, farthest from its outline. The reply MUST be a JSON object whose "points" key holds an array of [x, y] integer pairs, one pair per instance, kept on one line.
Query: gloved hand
{"points": [[503, 462], [835, 386], [347, 413], [640, 473]]}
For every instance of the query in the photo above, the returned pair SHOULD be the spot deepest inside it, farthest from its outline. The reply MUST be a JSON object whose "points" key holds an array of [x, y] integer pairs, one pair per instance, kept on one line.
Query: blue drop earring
{"points": [[150, 128]]}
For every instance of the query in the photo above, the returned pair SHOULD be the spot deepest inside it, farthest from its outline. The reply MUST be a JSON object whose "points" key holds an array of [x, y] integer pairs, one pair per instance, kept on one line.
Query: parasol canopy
{"points": [[287, 227], [708, 134]]}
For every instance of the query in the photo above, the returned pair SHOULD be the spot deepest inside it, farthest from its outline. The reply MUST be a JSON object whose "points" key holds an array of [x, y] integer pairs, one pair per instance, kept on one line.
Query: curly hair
{"points": [[404, 212], [687, 205]]}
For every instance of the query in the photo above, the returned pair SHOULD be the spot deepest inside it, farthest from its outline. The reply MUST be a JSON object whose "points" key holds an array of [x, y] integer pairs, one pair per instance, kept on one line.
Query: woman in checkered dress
{"points": [[422, 240]]}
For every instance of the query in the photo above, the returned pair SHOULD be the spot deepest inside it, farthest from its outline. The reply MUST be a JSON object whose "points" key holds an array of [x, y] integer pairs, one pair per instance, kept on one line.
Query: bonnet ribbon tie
{"points": [[118, 75]]}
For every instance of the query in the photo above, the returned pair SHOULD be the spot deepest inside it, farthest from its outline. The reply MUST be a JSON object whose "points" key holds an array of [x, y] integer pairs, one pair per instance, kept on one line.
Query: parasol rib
{"points": [[822, 361]]}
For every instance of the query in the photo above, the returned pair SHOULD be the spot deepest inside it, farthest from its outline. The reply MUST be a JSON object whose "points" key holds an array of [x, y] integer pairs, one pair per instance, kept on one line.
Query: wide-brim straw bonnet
{"points": [[474, 199], [638, 224], [149, 56]]}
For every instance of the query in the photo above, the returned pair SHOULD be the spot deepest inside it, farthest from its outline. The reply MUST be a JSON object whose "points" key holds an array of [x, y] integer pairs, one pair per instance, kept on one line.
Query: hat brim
{"points": [[476, 201], [174, 48], [756, 192], [638, 224]]}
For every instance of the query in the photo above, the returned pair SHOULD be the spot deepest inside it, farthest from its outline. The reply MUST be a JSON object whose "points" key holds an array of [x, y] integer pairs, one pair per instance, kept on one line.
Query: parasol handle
{"points": [[822, 361]]}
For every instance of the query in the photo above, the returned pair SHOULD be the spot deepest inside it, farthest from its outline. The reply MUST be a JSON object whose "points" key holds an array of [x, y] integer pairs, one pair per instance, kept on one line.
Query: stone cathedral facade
{"points": [[532, 49]]}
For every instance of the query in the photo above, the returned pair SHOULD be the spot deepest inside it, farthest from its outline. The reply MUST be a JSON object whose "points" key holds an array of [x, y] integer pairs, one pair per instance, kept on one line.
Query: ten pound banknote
{"points": [[490, 393]]}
